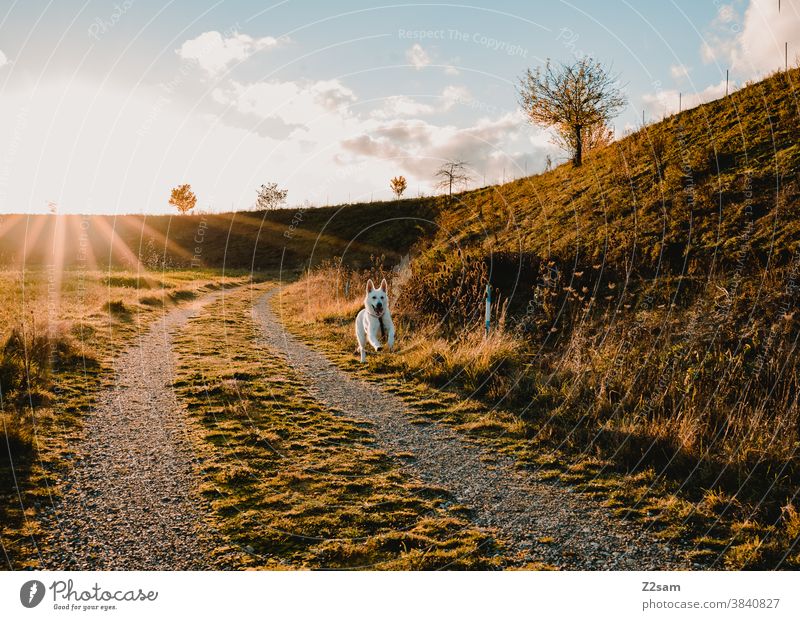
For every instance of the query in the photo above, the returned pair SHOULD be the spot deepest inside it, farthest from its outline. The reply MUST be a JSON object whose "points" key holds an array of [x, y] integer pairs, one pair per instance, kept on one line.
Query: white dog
{"points": [[375, 320]]}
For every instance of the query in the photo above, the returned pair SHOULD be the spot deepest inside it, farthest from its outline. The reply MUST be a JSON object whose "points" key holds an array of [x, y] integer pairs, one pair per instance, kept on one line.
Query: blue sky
{"points": [[106, 105]]}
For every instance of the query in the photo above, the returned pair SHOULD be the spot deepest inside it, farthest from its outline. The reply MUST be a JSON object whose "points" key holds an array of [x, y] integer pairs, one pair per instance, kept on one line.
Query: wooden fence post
{"points": [[488, 308]]}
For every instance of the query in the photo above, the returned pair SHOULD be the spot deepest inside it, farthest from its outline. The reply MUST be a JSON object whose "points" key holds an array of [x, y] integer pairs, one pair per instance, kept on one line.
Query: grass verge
{"points": [[463, 383], [60, 333], [295, 484]]}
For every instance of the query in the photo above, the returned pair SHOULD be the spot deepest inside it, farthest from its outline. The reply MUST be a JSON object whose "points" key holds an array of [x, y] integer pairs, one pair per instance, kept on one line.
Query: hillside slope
{"points": [[645, 321], [710, 189], [256, 240]]}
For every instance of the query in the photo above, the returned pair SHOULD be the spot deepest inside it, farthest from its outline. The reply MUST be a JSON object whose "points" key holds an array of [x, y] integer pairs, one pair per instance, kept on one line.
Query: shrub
{"points": [[449, 288]]}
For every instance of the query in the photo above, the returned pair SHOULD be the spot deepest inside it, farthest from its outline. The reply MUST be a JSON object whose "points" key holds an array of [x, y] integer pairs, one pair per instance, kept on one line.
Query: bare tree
{"points": [[398, 185], [571, 98], [269, 196], [182, 198], [450, 173]]}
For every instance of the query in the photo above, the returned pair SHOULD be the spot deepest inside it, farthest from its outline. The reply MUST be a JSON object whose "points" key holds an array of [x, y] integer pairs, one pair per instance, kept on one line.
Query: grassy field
{"points": [[294, 483], [285, 239], [59, 331]]}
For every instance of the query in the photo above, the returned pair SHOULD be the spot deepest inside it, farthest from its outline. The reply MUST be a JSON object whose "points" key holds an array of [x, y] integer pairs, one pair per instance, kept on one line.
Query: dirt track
{"points": [[540, 520], [130, 502]]}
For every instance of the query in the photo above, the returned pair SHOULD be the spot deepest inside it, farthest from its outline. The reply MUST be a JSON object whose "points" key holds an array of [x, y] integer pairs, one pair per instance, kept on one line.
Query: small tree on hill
{"points": [[571, 98], [593, 137], [270, 196], [398, 185], [452, 173], [183, 198]]}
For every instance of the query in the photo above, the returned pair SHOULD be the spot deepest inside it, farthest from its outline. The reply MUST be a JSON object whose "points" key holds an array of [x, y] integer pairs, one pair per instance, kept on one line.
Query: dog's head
{"points": [[376, 300]]}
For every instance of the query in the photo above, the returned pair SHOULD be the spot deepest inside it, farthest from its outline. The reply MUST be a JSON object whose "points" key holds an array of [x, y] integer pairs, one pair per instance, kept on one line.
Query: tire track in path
{"points": [[520, 507], [131, 501]]}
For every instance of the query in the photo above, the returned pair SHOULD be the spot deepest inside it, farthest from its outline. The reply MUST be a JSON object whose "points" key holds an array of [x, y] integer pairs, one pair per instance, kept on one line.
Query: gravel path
{"points": [[130, 501], [519, 506]]}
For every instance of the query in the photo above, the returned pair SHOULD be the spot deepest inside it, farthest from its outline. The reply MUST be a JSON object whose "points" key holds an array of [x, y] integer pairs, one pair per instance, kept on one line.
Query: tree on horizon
{"points": [[182, 198], [398, 185]]}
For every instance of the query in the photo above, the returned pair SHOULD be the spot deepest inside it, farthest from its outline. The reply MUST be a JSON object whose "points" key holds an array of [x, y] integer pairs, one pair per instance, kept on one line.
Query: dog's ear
{"points": [[370, 286], [384, 285]]}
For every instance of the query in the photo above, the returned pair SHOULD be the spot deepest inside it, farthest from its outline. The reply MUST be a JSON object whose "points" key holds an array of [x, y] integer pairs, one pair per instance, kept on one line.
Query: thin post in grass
{"points": [[726, 82], [488, 308]]}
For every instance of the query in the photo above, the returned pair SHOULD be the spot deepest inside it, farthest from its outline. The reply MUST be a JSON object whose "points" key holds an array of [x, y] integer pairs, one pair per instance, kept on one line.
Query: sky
{"points": [[105, 106]]}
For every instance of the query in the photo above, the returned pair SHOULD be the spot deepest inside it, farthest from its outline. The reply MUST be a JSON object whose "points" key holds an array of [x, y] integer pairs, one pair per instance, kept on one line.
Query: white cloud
{"points": [[401, 106], [750, 45], [679, 71], [294, 103], [418, 147], [452, 95], [214, 52], [417, 56], [753, 44], [3, 59], [726, 14]]}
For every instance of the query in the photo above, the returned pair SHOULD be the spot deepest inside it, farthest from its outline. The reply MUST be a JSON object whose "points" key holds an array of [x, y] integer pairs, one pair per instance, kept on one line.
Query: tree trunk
{"points": [[578, 159]]}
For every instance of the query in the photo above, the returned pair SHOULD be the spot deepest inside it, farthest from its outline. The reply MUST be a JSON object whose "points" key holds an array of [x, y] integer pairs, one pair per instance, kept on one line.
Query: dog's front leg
{"points": [[361, 336], [390, 335], [372, 334]]}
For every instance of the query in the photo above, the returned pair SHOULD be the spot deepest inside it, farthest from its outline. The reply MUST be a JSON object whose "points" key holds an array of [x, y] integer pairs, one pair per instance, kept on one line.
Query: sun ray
{"points": [[56, 265], [118, 251], [170, 246], [30, 243], [320, 238], [84, 256], [9, 223]]}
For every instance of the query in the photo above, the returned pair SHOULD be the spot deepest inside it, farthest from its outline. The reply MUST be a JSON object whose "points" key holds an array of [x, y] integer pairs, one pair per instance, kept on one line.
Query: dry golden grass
{"points": [[59, 332], [305, 487], [608, 395]]}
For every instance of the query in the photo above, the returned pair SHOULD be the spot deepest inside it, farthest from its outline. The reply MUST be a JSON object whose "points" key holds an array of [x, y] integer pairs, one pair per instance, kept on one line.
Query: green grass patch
{"points": [[303, 486]]}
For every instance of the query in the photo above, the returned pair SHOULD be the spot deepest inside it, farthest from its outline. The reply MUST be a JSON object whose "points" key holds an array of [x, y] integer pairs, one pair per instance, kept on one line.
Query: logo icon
{"points": [[31, 593]]}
